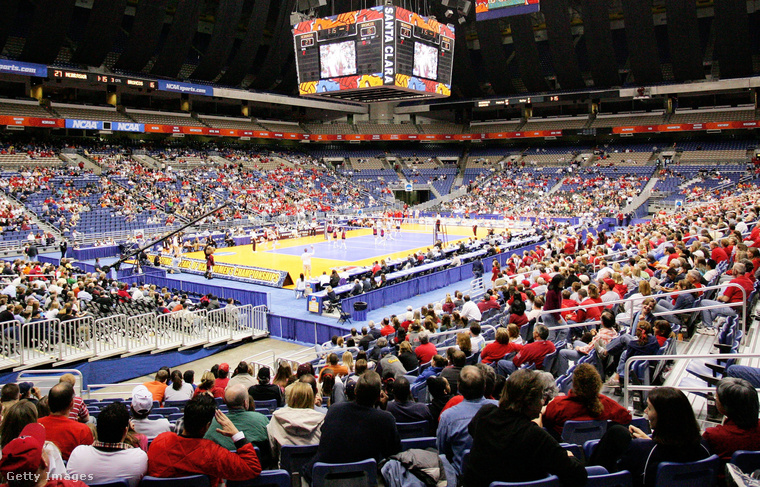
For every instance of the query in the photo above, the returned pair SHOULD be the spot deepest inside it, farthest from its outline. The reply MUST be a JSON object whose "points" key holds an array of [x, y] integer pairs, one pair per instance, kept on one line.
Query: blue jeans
{"points": [[505, 368], [566, 355], [709, 315], [555, 335]]}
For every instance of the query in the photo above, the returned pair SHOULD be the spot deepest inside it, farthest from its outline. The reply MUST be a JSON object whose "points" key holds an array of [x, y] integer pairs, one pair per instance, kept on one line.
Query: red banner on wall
{"points": [[32, 121]]}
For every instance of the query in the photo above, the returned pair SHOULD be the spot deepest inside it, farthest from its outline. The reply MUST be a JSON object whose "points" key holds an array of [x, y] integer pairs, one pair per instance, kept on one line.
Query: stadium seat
{"points": [[189, 481], [115, 483], [418, 443], [361, 473], [747, 461], [692, 474], [268, 478], [617, 479], [294, 457], [270, 404], [579, 432], [550, 481], [416, 429]]}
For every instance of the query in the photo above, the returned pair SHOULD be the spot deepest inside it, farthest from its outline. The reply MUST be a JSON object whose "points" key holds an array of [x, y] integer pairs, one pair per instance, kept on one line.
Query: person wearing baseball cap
{"points": [[222, 375], [142, 403], [25, 464]]}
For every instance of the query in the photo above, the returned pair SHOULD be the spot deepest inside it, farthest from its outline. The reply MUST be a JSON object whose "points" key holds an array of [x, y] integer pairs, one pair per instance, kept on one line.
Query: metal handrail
{"points": [[657, 296], [628, 387]]}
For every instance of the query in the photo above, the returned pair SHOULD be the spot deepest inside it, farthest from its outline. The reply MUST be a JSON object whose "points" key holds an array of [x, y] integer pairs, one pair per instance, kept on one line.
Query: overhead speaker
{"points": [[463, 6]]}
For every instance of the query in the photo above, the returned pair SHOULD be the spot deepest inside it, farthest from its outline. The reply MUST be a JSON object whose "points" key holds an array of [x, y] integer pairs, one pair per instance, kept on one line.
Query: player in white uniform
{"points": [[306, 260]]}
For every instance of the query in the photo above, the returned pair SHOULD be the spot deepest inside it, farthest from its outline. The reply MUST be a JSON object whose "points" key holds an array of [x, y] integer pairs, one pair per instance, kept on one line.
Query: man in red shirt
{"points": [[66, 433], [488, 303], [731, 294], [425, 351], [717, 254], [172, 455], [531, 353], [24, 458]]}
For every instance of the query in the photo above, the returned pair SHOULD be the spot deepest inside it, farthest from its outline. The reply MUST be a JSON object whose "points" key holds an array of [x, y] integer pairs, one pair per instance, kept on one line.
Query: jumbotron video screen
{"points": [[378, 54]]}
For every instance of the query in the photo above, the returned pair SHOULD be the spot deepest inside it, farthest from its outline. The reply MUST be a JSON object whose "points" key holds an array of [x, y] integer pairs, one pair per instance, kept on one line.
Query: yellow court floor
{"points": [[362, 250]]}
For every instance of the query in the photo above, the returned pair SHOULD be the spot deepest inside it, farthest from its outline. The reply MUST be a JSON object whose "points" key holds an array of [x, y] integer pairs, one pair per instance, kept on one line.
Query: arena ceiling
{"points": [[569, 45]]}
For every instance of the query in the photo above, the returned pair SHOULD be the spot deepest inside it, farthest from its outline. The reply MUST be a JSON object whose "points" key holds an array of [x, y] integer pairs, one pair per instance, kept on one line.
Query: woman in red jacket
{"points": [[495, 351], [495, 271], [583, 403]]}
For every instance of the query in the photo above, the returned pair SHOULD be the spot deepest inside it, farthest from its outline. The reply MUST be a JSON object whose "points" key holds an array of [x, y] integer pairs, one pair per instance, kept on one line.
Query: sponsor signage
{"points": [[190, 88], [23, 69], [242, 273]]}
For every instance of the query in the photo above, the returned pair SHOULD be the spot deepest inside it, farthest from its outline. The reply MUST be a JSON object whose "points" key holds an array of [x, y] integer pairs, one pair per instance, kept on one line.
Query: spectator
{"points": [[253, 424], [457, 361], [172, 455], [208, 386], [507, 446], [157, 387], [476, 339], [189, 378], [497, 350], [675, 438], [142, 404], [390, 364], [730, 295], [66, 433], [440, 392], [407, 357], [583, 403], [299, 423], [453, 437], [470, 310], [15, 420], [221, 375], [349, 425], [264, 391], [425, 350], [179, 390], [403, 407], [737, 400], [25, 455], [9, 395], [242, 375], [332, 364], [531, 353], [29, 392], [109, 458]]}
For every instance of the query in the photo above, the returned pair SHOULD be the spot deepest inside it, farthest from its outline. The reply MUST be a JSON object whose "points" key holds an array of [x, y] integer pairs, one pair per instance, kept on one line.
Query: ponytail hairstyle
{"points": [[643, 330], [176, 380]]}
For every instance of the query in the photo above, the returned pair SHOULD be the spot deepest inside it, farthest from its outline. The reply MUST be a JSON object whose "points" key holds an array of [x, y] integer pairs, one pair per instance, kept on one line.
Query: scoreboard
{"points": [[378, 54], [106, 79], [493, 9]]}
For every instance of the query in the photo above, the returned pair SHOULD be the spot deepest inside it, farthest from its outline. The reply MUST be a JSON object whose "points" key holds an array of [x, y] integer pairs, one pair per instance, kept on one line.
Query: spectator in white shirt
{"points": [[470, 310], [179, 390], [142, 403], [109, 459]]}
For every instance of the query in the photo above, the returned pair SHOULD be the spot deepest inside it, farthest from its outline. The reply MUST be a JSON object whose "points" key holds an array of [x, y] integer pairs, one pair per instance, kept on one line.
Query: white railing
{"points": [[627, 387], [85, 338], [45, 379]]}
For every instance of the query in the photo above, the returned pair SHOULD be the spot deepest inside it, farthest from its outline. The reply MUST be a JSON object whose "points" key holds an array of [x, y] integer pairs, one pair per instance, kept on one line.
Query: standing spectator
{"points": [[171, 455], [109, 458], [66, 433], [64, 247], [453, 437]]}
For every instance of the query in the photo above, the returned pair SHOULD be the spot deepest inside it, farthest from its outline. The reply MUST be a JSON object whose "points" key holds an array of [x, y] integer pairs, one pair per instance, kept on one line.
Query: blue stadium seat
{"points": [[702, 473], [550, 481], [361, 473]]}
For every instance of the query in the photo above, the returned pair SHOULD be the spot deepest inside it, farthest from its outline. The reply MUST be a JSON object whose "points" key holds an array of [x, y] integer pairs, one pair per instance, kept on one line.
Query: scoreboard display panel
{"points": [[493, 9], [377, 54]]}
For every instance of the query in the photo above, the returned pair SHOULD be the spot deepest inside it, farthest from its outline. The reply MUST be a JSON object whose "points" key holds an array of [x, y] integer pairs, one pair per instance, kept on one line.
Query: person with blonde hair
{"points": [[298, 423], [348, 362]]}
